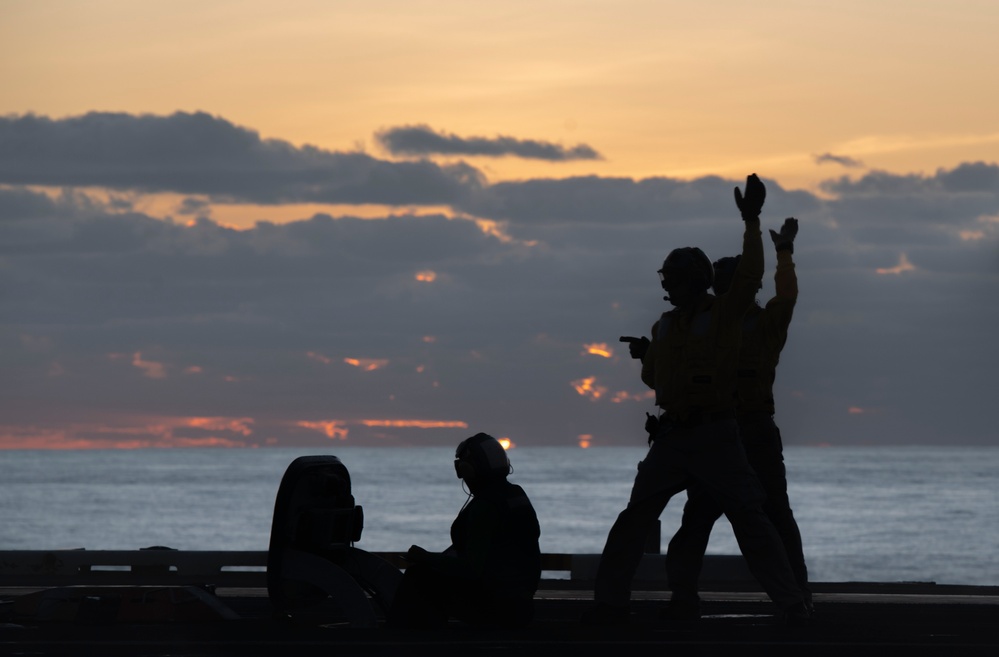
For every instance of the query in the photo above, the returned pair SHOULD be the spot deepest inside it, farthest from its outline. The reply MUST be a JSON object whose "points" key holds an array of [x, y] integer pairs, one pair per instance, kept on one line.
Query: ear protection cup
{"points": [[464, 469], [481, 457]]}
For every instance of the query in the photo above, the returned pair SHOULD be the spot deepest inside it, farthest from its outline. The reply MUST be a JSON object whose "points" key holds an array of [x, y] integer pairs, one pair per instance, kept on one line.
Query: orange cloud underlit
{"points": [[149, 368], [587, 387], [426, 276], [367, 364], [417, 424], [624, 395], [598, 349], [903, 266], [334, 429], [235, 425], [430, 339], [132, 433], [972, 235], [316, 356], [856, 410]]}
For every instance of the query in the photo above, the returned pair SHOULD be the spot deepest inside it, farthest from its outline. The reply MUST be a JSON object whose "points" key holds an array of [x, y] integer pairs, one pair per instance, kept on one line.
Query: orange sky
{"points": [[679, 89]]}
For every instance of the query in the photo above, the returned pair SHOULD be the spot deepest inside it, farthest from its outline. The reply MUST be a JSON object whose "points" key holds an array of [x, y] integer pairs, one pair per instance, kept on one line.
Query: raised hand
{"points": [[751, 202], [785, 238]]}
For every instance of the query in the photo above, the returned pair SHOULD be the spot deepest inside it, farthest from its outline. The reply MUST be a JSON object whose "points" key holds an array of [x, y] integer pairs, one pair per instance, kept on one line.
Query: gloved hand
{"points": [[636, 346], [751, 203], [785, 238], [651, 426]]}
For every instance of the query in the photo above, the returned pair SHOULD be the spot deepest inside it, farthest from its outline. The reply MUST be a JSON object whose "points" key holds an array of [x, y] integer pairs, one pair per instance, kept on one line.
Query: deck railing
{"points": [[248, 569]]}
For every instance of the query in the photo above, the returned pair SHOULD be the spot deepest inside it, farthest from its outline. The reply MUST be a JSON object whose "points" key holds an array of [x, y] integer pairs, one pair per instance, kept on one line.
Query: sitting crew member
{"points": [[490, 573]]}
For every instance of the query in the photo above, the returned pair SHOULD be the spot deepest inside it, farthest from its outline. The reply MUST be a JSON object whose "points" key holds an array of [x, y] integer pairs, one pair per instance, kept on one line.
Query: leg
{"points": [[685, 554], [765, 452], [718, 463], [655, 483]]}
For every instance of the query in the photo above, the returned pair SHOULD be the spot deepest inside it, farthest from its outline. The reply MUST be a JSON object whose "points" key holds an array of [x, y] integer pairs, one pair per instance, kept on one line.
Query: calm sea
{"points": [[866, 514]]}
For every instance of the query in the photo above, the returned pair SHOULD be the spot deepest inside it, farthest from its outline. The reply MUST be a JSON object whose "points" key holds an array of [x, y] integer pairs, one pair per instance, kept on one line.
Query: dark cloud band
{"points": [[422, 140], [196, 153]]}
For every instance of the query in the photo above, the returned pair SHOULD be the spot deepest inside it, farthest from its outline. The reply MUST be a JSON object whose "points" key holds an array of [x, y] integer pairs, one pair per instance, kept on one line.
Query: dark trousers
{"points": [[710, 457], [765, 453], [427, 599]]}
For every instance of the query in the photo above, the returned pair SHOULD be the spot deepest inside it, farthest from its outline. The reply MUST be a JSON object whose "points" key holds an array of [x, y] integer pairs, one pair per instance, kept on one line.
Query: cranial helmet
{"points": [[687, 266], [481, 457], [724, 272]]}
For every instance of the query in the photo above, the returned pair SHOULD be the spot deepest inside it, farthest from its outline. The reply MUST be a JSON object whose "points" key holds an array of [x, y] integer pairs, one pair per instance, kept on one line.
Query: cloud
{"points": [[842, 160], [966, 178], [421, 140], [322, 325], [623, 201], [199, 154]]}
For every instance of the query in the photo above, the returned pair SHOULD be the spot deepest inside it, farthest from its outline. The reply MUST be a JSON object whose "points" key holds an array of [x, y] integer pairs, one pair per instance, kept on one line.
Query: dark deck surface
{"points": [[851, 619]]}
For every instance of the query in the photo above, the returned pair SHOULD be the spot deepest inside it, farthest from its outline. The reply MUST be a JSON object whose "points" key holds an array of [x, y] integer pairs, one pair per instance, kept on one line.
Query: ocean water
{"points": [[866, 514]]}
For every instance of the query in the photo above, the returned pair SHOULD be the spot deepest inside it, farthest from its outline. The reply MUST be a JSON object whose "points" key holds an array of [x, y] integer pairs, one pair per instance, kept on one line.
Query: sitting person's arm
{"points": [[468, 558]]}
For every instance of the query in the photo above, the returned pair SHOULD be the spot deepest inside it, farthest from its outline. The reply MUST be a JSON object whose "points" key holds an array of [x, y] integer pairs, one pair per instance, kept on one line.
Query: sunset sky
{"points": [[385, 223]]}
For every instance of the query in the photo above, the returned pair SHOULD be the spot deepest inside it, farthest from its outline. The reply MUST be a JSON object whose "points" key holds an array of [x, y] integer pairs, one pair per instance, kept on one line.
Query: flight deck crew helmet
{"points": [[481, 457], [686, 266]]}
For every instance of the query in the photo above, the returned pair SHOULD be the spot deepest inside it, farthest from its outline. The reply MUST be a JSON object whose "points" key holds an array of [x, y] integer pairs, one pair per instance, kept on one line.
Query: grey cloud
{"points": [[621, 201], [423, 140], [509, 319], [198, 154], [193, 206], [969, 177], [842, 160], [918, 211]]}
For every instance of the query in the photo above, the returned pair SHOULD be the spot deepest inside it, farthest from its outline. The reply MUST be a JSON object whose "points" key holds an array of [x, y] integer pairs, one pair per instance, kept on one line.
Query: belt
{"points": [[697, 418]]}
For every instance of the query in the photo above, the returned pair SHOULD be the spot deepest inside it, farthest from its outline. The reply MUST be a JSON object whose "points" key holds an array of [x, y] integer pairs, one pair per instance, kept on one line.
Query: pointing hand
{"points": [[636, 346]]}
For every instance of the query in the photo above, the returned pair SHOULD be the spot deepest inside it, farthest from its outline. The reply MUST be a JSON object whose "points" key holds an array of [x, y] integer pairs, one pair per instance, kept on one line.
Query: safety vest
{"points": [[693, 365]]}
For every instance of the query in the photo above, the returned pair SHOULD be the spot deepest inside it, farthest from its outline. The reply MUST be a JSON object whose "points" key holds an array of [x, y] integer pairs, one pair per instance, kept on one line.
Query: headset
{"points": [[481, 457]]}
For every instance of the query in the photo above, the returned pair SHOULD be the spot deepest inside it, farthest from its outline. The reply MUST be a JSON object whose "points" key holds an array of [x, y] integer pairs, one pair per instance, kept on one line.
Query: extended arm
{"points": [[749, 273], [780, 308]]}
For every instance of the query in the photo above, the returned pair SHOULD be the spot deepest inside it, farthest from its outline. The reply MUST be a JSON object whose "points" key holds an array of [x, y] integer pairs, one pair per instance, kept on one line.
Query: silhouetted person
{"points": [[490, 573], [764, 333], [691, 364]]}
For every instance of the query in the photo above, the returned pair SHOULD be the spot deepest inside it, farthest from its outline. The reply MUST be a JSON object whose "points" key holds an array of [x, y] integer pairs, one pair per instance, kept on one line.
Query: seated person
{"points": [[490, 573]]}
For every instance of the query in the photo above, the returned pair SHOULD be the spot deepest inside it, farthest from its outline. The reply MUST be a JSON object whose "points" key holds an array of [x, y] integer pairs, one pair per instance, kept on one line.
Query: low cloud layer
{"points": [[501, 314], [196, 153], [421, 140]]}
